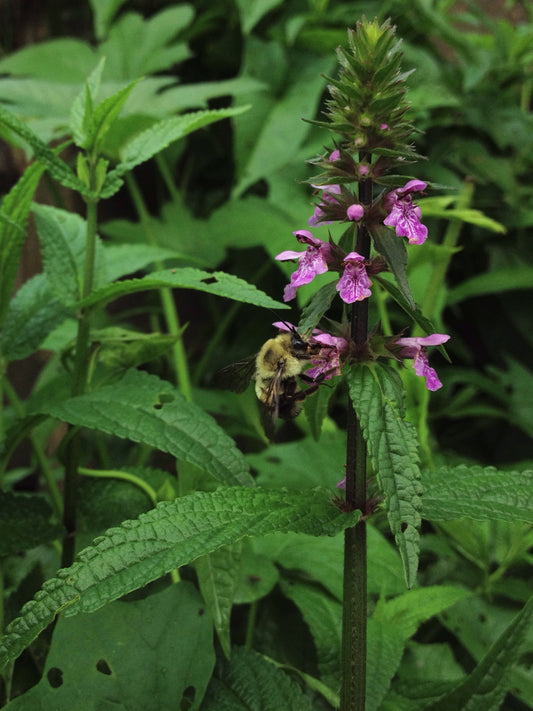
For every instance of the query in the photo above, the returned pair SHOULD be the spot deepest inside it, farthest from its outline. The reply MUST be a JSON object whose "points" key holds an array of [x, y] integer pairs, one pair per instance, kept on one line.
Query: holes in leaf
{"points": [[273, 460], [187, 700], [103, 667], [404, 526], [163, 399], [55, 677], [201, 612], [209, 280]]}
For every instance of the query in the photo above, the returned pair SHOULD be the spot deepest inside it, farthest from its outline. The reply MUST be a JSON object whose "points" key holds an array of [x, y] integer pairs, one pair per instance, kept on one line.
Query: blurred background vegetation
{"points": [[230, 196]]}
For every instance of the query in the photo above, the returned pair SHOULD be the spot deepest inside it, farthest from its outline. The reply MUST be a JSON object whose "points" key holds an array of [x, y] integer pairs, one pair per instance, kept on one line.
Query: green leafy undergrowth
{"points": [[173, 534], [141, 654]]}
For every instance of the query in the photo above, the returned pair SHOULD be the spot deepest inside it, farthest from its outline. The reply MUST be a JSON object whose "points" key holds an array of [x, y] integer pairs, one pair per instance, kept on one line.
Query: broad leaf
{"points": [[478, 493], [91, 671], [218, 283], [485, 688], [143, 408], [174, 534], [393, 249], [377, 397], [251, 683], [14, 213]]}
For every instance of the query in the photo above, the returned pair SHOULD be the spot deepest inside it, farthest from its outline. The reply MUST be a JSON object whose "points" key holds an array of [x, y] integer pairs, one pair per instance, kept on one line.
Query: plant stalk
{"points": [[354, 620], [170, 311], [79, 385]]}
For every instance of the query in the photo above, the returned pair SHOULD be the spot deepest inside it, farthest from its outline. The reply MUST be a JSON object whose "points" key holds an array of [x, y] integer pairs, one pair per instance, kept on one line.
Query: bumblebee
{"points": [[275, 369]]}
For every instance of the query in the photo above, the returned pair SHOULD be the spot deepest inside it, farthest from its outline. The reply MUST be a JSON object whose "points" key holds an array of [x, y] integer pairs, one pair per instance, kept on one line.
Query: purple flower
{"points": [[403, 215], [327, 362], [354, 284], [415, 348], [335, 155], [355, 212], [310, 263], [328, 196]]}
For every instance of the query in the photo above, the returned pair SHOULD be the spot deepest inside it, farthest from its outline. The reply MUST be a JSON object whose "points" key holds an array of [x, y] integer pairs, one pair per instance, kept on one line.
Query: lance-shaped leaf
{"points": [[45, 155], [218, 283], [478, 493], [318, 304], [485, 688], [14, 213], [377, 397], [218, 577], [425, 324], [143, 408], [33, 314], [250, 682], [393, 249], [151, 141], [169, 536], [63, 236]]}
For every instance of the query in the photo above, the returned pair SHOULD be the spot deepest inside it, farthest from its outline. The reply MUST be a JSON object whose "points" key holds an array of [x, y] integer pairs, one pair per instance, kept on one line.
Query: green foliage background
{"points": [[226, 198]]}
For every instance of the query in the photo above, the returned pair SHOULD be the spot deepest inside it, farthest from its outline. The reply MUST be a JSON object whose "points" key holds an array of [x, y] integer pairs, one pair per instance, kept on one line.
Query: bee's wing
{"points": [[236, 376], [268, 420]]}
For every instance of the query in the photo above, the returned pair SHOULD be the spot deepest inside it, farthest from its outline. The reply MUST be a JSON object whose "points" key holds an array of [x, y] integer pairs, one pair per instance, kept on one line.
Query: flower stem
{"points": [[79, 385], [354, 620], [170, 311]]}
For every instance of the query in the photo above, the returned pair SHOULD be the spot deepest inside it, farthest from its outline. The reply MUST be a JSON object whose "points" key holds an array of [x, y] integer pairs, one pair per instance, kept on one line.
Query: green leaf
{"points": [[15, 512], [218, 578], [82, 106], [258, 574], [46, 156], [408, 611], [485, 688], [121, 348], [377, 397], [87, 656], [138, 45], [122, 259], [496, 281], [33, 314], [385, 647], [251, 683], [151, 141], [218, 283], [316, 408], [103, 116], [323, 616], [104, 12], [416, 315], [14, 213], [64, 61], [478, 493], [319, 303], [437, 207], [251, 11], [392, 247], [62, 237], [174, 534], [143, 408], [304, 463], [391, 625]]}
